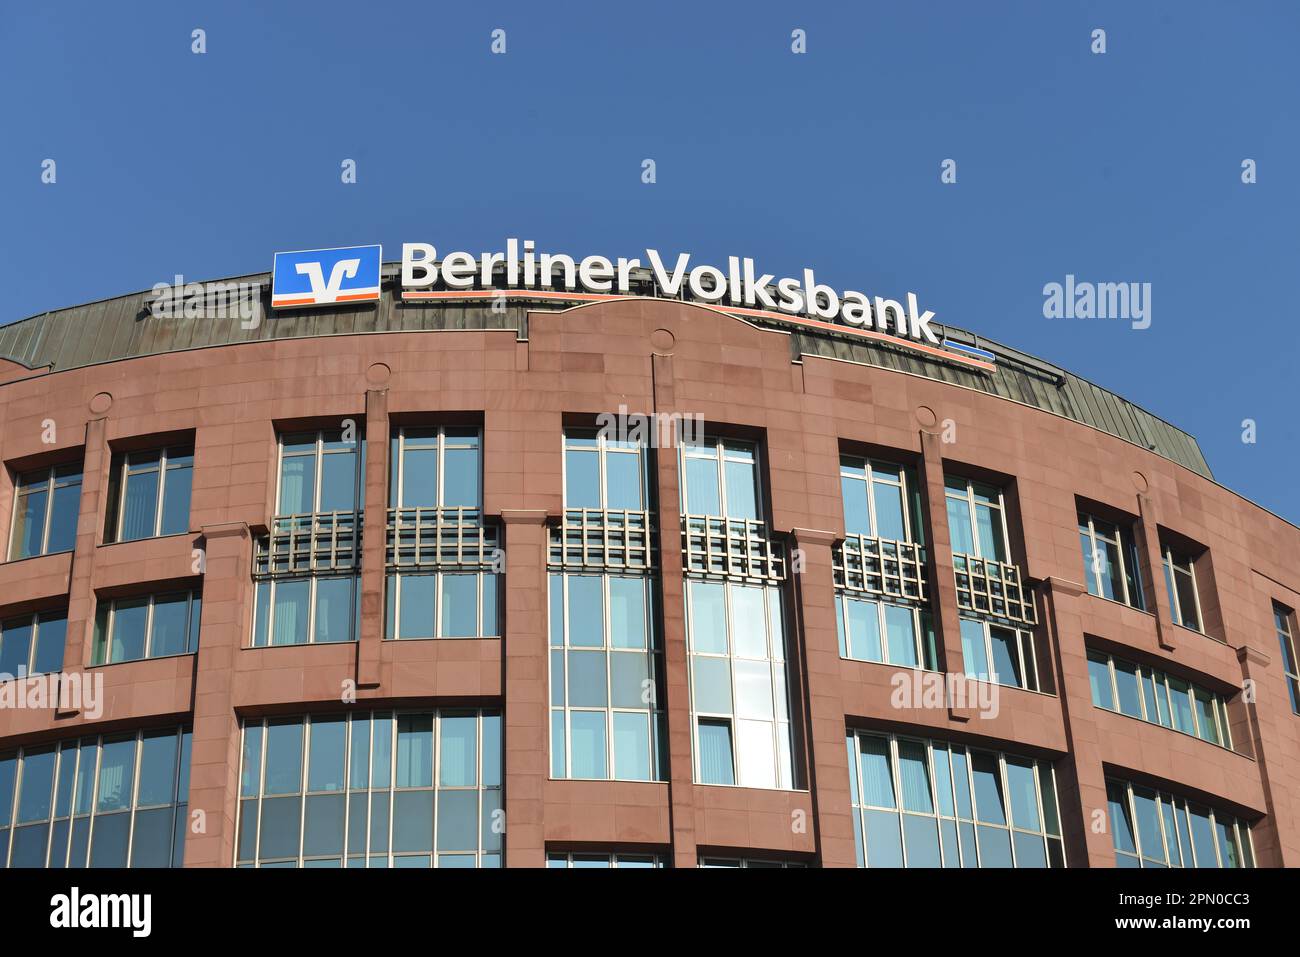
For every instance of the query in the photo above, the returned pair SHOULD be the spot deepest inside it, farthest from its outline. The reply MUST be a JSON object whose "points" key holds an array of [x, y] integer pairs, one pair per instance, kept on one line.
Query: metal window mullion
{"points": [[133, 797]]}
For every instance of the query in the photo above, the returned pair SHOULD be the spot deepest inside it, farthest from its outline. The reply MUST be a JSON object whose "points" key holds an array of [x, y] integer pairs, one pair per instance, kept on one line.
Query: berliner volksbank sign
{"points": [[327, 276]]}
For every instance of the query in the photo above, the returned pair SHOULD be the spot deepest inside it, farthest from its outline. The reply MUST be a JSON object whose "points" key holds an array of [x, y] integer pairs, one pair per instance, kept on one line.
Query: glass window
{"points": [[976, 520], [884, 632], [1151, 828], [721, 478], [604, 472], [320, 472], [155, 626], [139, 781], [1283, 619], [1147, 693], [606, 668], [1110, 560], [384, 806], [300, 611], [436, 467], [438, 604], [1180, 579], [149, 494], [913, 806], [738, 684], [46, 506], [877, 502], [602, 860], [32, 644], [1001, 655]]}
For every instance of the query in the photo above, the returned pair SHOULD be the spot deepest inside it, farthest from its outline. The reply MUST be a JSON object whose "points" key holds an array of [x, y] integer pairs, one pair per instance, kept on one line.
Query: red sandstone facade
{"points": [[656, 356]]}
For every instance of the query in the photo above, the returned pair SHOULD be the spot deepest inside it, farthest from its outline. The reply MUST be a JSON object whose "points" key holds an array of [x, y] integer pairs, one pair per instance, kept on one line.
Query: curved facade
{"points": [[390, 587]]}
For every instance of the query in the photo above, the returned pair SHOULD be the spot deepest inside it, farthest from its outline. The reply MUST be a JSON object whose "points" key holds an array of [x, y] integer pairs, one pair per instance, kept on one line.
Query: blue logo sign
{"points": [[318, 277]]}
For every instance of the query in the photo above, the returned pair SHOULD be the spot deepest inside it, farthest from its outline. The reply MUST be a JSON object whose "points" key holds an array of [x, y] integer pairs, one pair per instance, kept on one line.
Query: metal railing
{"points": [[599, 538], [731, 548], [310, 542], [881, 567], [989, 587], [420, 536]]}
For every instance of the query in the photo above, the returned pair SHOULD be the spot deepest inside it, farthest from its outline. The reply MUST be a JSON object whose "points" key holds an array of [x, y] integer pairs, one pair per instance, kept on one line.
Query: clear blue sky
{"points": [[1117, 167]]}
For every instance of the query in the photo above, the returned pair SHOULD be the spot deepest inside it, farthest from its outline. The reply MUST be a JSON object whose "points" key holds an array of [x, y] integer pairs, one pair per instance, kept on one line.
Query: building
{"points": [[394, 583]]}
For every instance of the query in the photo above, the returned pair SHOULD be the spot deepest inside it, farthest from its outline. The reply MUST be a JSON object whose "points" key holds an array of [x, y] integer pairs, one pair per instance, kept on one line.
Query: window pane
{"points": [[1126, 684], [702, 487], [753, 689], [325, 768], [884, 847], [176, 501], [587, 679], [290, 612], [630, 679], [708, 619], [989, 522], [627, 612], [623, 480], [1023, 792], [283, 757], [460, 481], [581, 479], [15, 646], [1120, 824], [922, 841], [742, 500], [334, 609], [889, 511], [972, 648], [988, 788], [712, 684], [1187, 600], [587, 738], [959, 526], [459, 606], [864, 631], [170, 625], [51, 637], [914, 777], [715, 752], [1099, 682], [29, 524], [877, 778], [632, 746], [458, 763], [419, 477], [36, 798], [756, 751], [901, 628], [857, 518], [457, 822], [414, 751], [139, 507], [129, 619], [338, 482], [116, 771], [415, 614], [297, 484], [158, 771], [748, 622], [586, 611]]}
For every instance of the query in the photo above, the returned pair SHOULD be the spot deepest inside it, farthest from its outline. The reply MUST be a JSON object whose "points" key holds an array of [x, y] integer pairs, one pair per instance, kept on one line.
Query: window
{"points": [[606, 676], [153, 626], [149, 494], [371, 789], [32, 644], [877, 500], [442, 605], [1150, 828], [1110, 562], [319, 472], [746, 862], [302, 611], [721, 478], [1180, 579], [883, 632], [603, 860], [435, 467], [116, 800], [1282, 619], [739, 699], [976, 519], [923, 803], [46, 503], [999, 654], [604, 473], [1141, 691]]}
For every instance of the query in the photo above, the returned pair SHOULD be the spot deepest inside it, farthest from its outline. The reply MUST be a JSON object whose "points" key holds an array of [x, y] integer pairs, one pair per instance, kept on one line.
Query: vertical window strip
{"points": [[1162, 692], [275, 623], [109, 643], [45, 484], [1094, 557], [1283, 619], [411, 441], [162, 464]]}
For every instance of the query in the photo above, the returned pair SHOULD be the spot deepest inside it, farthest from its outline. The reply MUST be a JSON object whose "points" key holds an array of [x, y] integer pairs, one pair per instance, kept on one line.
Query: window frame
{"points": [[1188, 568], [926, 654], [715, 447], [52, 482], [105, 641], [656, 711], [1125, 550], [605, 448], [1161, 689], [969, 500], [165, 454], [357, 450], [1178, 806], [273, 582], [911, 523], [1283, 619], [1026, 652], [442, 442], [36, 619]]}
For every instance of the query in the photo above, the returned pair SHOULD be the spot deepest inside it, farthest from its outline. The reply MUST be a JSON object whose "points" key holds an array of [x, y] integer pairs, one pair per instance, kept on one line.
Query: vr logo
{"points": [[316, 277]]}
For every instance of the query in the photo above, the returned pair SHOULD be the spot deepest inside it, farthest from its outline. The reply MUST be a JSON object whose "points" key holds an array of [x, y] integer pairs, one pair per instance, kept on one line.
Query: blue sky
{"points": [[1120, 167]]}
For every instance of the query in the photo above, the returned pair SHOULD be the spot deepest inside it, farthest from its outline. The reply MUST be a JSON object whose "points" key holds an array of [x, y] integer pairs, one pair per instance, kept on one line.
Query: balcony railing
{"points": [[600, 538], [993, 588], [310, 542], [881, 567], [440, 537], [731, 548]]}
